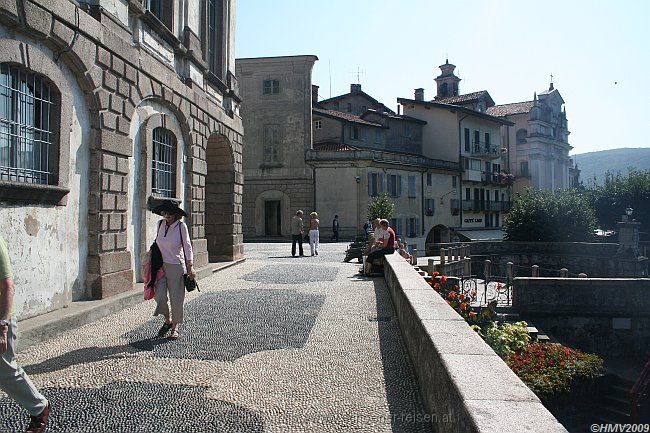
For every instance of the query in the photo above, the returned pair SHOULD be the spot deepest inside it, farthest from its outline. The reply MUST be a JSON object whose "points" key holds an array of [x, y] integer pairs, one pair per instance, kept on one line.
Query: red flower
{"points": [[443, 279], [436, 286], [451, 295], [436, 273], [463, 306]]}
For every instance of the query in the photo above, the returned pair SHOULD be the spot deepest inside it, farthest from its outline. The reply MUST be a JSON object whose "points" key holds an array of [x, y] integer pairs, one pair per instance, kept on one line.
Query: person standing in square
{"points": [[335, 229], [13, 380], [297, 232]]}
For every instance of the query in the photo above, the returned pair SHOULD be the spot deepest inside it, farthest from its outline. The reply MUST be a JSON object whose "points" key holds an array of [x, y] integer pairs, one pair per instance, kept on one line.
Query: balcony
{"points": [[498, 179], [485, 150], [473, 206], [482, 206]]}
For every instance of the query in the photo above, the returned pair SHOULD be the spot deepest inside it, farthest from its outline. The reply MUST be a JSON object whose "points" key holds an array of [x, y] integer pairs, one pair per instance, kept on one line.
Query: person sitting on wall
{"points": [[386, 244], [402, 250], [378, 234]]}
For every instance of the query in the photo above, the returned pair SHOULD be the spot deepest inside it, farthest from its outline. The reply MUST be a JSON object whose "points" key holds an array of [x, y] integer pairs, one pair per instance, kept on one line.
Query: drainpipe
{"points": [[422, 203], [462, 169]]}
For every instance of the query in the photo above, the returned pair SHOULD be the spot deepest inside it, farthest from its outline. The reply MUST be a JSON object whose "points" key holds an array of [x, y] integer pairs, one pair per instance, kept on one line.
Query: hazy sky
{"points": [[597, 51]]}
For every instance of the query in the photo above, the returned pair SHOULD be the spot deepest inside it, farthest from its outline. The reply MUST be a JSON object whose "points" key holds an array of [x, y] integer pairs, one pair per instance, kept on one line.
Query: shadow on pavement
{"points": [[227, 325], [404, 401], [135, 407]]}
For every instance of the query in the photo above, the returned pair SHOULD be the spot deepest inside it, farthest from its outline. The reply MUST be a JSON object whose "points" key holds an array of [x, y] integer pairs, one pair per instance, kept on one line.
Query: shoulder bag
{"points": [[190, 284]]}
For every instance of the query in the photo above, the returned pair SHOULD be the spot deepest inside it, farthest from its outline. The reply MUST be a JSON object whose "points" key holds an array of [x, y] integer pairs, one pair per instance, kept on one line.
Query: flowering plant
{"points": [[549, 368], [461, 301]]}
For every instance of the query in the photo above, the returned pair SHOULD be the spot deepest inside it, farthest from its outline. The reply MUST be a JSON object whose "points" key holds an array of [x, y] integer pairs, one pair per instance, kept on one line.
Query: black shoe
{"points": [[164, 329], [38, 424]]}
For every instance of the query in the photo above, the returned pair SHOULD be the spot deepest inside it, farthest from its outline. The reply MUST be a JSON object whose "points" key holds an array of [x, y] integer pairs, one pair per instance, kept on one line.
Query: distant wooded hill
{"points": [[596, 164]]}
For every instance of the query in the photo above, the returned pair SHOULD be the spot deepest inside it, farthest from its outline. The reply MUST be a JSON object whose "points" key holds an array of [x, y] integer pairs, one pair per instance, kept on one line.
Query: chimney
{"points": [[314, 94], [355, 88], [419, 94]]}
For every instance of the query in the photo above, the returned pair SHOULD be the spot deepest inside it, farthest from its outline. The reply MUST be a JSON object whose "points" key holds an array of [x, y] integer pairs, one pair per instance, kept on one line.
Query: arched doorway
{"points": [[272, 214], [438, 234], [222, 222]]}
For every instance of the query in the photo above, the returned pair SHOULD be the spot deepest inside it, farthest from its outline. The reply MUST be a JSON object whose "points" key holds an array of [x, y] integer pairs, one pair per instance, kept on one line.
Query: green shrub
{"points": [[545, 216], [380, 207], [506, 338]]}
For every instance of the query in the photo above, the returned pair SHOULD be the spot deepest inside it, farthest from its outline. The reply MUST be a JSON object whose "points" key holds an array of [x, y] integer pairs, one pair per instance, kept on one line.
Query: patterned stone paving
{"points": [[321, 355]]}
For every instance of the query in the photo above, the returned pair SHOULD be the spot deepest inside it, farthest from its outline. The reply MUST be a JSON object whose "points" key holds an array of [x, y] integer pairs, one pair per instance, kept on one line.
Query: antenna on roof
{"points": [[359, 72], [329, 68]]}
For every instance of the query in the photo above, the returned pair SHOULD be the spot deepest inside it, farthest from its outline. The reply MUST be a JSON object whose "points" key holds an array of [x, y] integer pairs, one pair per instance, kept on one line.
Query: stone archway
{"points": [[438, 234], [284, 213], [222, 202]]}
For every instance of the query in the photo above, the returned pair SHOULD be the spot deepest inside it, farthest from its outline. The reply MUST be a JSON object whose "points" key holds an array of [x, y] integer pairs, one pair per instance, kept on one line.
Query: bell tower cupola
{"points": [[447, 81]]}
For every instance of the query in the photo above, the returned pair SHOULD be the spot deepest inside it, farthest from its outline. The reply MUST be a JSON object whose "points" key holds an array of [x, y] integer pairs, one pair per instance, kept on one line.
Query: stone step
{"points": [[543, 338], [532, 331], [616, 414], [616, 402]]}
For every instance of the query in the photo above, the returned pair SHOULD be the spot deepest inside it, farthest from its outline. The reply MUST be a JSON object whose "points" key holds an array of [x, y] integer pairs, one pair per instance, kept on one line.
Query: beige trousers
{"points": [[171, 291], [15, 382]]}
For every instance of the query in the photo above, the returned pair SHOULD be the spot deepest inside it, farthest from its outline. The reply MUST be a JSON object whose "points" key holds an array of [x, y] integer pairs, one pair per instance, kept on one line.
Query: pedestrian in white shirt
{"points": [[314, 234], [173, 239]]}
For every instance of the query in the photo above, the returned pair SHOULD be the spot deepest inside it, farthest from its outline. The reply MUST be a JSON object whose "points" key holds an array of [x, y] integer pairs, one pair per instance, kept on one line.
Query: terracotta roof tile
{"points": [[461, 99], [510, 109], [348, 117]]}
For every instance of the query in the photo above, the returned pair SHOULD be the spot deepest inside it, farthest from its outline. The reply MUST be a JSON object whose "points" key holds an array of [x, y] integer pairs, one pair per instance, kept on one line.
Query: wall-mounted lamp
{"points": [[453, 191], [357, 178], [629, 211]]}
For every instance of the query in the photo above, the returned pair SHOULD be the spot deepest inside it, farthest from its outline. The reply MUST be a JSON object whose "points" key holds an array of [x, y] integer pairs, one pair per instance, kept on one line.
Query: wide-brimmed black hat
{"points": [[168, 206]]}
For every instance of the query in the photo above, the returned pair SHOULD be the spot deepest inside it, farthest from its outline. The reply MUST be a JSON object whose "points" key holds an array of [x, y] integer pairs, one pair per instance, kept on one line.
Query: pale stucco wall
{"points": [[440, 134], [48, 245]]}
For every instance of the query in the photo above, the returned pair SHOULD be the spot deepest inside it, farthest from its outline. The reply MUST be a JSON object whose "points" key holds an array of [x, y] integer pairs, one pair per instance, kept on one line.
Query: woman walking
{"points": [[314, 223], [173, 239]]}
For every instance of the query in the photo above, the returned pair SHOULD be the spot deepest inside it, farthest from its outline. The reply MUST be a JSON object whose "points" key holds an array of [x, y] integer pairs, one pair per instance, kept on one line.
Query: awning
{"points": [[482, 235]]}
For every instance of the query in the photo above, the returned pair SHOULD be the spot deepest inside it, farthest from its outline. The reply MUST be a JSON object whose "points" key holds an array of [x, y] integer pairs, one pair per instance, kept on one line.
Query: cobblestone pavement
{"points": [[276, 344]]}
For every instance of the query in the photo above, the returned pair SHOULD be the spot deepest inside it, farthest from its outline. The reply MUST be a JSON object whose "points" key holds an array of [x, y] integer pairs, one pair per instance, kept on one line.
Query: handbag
{"points": [[190, 284]]}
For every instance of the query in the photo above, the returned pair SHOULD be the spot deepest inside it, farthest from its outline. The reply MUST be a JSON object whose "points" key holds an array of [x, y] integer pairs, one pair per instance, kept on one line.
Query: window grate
{"points": [[163, 170], [27, 151]]}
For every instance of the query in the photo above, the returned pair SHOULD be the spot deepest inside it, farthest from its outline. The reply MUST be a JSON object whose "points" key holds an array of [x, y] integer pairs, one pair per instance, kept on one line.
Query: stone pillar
{"points": [[534, 271], [488, 268], [564, 273], [414, 257], [628, 238], [442, 256], [510, 270], [467, 271], [582, 275], [449, 259], [430, 267]]}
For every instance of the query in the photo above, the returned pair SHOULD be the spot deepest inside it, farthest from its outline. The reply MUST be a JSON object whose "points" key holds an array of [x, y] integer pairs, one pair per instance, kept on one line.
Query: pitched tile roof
{"points": [[348, 117], [453, 107], [510, 109], [464, 99], [395, 116], [360, 93]]}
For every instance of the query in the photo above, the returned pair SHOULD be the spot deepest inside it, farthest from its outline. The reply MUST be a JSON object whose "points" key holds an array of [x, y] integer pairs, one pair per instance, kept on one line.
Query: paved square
{"points": [[320, 355]]}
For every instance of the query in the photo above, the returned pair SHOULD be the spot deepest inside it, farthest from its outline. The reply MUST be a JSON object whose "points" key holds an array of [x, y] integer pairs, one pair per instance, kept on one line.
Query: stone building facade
{"points": [[538, 146], [277, 96], [356, 157], [108, 107], [459, 129]]}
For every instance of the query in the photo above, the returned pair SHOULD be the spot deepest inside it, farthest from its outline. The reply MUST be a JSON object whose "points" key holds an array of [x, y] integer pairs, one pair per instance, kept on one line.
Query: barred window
{"points": [[163, 167], [163, 10], [215, 22], [28, 151]]}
